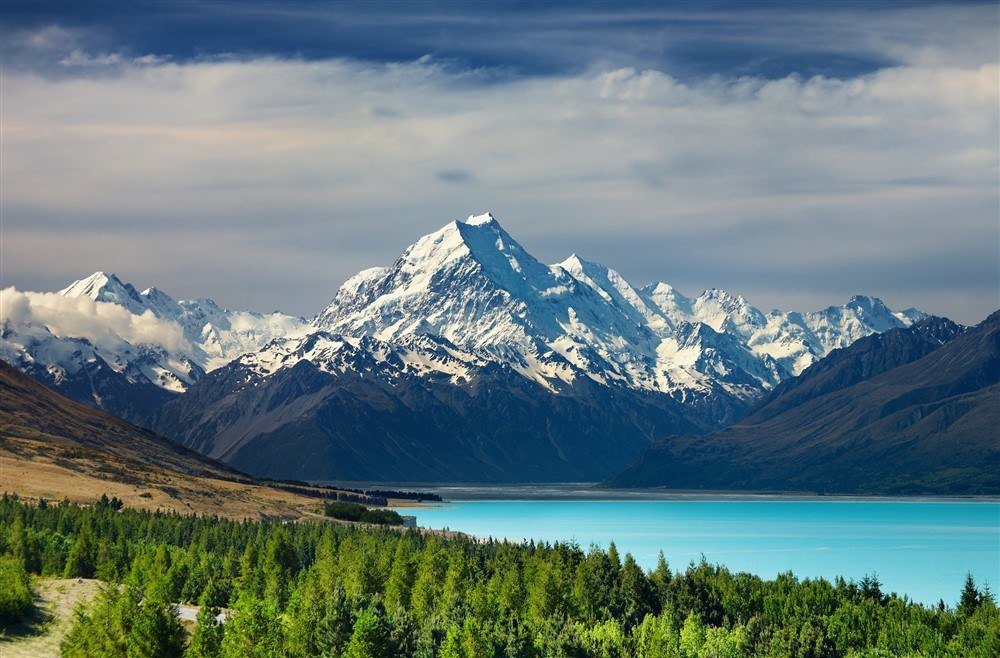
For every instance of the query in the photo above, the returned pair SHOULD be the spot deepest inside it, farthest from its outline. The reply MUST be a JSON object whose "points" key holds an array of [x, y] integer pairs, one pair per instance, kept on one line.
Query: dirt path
{"points": [[55, 600], [40, 636]]}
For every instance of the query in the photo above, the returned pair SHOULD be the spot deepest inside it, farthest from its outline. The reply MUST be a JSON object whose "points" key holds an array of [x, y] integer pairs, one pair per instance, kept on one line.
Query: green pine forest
{"points": [[326, 589]]}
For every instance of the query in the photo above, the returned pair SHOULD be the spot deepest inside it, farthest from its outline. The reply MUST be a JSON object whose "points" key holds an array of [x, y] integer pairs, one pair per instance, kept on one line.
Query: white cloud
{"points": [[265, 182], [101, 323], [80, 58]]}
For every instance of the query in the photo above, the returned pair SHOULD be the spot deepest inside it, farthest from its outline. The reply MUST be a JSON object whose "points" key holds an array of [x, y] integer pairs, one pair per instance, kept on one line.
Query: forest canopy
{"points": [[324, 589]]}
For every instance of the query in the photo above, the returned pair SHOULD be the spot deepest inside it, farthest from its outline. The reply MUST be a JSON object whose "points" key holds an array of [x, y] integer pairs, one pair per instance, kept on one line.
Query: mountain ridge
{"points": [[912, 410]]}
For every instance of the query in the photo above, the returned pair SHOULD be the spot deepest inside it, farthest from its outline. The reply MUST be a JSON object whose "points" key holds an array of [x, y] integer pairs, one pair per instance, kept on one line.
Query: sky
{"points": [[260, 153]]}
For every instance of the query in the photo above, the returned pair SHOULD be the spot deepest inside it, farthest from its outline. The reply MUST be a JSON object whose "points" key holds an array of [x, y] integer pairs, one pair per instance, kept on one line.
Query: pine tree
{"points": [[428, 582], [452, 647], [635, 592], [280, 563], [475, 642], [254, 630], [370, 638], [661, 581], [615, 559], [455, 581], [206, 641], [692, 637], [81, 561], [16, 599], [399, 586], [335, 627], [155, 631], [24, 545], [971, 597], [17, 544]]}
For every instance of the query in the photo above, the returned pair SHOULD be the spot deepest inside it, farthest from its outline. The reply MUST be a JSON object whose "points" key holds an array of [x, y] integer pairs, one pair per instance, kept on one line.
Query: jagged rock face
{"points": [[468, 359], [912, 410]]}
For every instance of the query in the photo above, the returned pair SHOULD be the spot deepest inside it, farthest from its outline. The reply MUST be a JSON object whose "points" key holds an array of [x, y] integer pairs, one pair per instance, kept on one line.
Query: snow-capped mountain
{"points": [[217, 335], [102, 342], [475, 286], [467, 339], [795, 340]]}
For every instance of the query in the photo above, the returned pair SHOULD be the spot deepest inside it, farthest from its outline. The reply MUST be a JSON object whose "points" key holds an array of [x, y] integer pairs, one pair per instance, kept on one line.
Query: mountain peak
{"points": [[576, 264], [156, 296], [719, 293], [104, 287], [479, 220], [659, 288], [866, 302], [90, 286]]}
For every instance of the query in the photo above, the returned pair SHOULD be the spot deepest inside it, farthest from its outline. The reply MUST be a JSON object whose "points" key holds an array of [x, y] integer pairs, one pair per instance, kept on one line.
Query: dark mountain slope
{"points": [[856, 424], [369, 423], [96, 384], [864, 359]]}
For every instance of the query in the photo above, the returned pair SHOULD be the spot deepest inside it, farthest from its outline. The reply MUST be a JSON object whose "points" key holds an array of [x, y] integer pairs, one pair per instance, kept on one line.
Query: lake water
{"points": [[921, 548]]}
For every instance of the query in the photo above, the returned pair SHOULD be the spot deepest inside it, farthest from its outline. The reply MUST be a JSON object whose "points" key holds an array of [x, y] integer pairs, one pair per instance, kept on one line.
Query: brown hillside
{"points": [[54, 448]]}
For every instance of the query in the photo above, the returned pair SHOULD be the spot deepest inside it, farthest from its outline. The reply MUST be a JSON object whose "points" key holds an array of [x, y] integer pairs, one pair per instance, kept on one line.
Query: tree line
{"points": [[273, 589], [360, 513]]}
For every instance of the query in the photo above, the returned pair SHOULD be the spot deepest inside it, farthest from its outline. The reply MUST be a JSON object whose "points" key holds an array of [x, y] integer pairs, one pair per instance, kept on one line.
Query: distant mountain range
{"points": [[101, 342], [913, 410], [465, 359]]}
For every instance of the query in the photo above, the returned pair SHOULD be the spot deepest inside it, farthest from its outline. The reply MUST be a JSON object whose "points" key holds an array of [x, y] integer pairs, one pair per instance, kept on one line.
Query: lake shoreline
{"points": [[569, 491]]}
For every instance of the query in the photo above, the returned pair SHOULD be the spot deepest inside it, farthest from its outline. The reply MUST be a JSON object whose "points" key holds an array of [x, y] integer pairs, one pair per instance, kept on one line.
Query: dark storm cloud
{"points": [[838, 39]]}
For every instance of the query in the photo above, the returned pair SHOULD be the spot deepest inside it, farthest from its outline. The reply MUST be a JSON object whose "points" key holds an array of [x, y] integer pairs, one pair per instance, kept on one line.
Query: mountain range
{"points": [[912, 410], [101, 342], [465, 359]]}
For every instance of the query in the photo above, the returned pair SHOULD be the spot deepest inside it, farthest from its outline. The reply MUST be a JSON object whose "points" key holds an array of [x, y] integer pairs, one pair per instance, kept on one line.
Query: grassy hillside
{"points": [[54, 448]]}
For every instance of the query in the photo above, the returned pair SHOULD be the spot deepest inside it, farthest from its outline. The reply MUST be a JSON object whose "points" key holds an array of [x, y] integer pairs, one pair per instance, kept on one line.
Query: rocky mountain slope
{"points": [[913, 410], [468, 359]]}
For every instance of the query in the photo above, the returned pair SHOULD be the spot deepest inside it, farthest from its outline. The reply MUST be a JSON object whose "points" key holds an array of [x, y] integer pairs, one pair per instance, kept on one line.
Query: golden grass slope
{"points": [[54, 448]]}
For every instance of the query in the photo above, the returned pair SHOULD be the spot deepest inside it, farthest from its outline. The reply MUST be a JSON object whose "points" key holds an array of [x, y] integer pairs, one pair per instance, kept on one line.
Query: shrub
{"points": [[15, 590], [356, 512]]}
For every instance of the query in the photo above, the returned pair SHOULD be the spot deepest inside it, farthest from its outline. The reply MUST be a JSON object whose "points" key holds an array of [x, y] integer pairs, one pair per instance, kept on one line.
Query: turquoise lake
{"points": [[920, 548]]}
